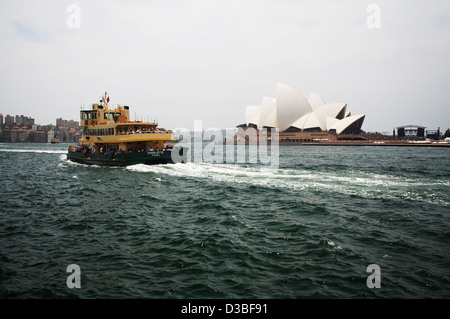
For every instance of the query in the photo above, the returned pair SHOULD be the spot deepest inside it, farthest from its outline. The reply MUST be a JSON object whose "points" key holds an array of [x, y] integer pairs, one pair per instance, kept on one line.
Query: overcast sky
{"points": [[181, 61]]}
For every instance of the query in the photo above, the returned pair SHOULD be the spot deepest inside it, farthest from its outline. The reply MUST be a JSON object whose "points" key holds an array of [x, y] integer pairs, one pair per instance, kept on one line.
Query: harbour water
{"points": [[307, 229]]}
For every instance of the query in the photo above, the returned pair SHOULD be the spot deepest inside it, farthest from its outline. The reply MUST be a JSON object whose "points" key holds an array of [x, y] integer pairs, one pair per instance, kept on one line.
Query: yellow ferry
{"points": [[109, 138]]}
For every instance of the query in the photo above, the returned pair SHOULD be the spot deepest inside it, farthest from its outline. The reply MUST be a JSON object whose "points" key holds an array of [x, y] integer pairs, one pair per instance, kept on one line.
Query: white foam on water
{"points": [[282, 177], [66, 162], [366, 185]]}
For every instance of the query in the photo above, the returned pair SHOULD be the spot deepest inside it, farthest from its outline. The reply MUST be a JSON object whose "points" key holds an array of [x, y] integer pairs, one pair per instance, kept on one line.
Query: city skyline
{"points": [[22, 129], [29, 121]]}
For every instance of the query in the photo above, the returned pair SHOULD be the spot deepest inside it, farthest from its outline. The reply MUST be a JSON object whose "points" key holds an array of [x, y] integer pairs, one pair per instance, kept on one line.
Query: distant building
{"points": [[410, 131], [291, 113], [9, 119], [40, 137], [434, 134], [20, 129], [60, 123], [20, 134], [24, 120], [50, 136]]}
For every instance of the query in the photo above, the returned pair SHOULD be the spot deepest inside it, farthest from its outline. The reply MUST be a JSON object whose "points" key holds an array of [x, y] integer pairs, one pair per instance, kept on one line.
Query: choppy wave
{"points": [[367, 185], [307, 229]]}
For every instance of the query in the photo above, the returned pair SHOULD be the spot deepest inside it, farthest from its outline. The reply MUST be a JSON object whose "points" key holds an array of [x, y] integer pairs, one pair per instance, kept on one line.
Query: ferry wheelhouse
{"points": [[110, 138]]}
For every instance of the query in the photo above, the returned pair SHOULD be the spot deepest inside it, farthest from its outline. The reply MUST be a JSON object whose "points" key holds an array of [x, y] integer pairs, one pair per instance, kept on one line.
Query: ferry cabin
{"points": [[106, 129]]}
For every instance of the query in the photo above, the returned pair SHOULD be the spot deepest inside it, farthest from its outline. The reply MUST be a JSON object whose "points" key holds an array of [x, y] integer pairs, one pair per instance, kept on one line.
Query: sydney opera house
{"points": [[299, 119]]}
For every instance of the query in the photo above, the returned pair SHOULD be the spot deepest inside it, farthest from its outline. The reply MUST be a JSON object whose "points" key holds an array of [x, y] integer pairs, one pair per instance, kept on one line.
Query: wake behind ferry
{"points": [[110, 139]]}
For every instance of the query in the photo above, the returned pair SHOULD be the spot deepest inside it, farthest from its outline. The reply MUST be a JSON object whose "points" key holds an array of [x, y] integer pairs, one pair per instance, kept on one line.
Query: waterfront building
{"points": [[19, 134], [410, 131], [40, 137], [50, 136], [291, 113]]}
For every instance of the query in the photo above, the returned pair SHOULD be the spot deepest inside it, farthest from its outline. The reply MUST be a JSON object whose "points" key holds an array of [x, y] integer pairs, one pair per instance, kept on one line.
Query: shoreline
{"points": [[365, 143]]}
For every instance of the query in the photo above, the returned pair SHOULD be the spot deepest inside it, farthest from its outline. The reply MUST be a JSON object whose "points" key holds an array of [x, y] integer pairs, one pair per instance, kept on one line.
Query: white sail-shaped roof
{"points": [[290, 108], [300, 123], [329, 110], [308, 121], [291, 105], [346, 122], [315, 101], [313, 122], [268, 112], [252, 115], [332, 123]]}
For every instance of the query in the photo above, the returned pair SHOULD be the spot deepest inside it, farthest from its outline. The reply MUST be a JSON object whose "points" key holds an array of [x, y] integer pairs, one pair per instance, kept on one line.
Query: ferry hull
{"points": [[126, 159]]}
